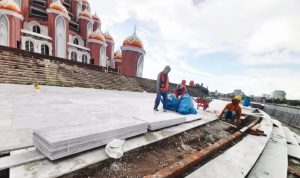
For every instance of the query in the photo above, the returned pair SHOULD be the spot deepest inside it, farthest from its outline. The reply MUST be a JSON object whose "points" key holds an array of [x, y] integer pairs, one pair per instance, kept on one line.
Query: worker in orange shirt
{"points": [[233, 111], [180, 91], [162, 88]]}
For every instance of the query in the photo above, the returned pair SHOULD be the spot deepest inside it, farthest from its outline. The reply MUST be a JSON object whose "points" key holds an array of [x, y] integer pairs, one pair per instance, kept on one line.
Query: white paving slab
{"points": [[58, 142], [273, 163], [292, 144], [17, 158], [15, 139], [297, 138], [238, 160], [158, 120]]}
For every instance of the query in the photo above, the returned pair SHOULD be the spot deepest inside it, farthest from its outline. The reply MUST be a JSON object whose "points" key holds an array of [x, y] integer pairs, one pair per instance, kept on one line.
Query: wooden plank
{"points": [[238, 160], [273, 163], [48, 169]]}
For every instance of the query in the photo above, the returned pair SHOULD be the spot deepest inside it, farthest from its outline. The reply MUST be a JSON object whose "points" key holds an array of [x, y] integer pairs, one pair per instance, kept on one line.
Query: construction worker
{"points": [[162, 88], [180, 90], [233, 111]]}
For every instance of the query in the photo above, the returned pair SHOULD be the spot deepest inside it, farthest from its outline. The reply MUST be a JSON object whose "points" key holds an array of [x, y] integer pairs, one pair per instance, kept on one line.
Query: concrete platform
{"points": [[27, 110]]}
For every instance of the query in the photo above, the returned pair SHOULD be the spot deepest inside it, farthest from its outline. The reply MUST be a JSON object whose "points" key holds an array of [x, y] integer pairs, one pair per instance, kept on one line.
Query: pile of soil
{"points": [[150, 159]]}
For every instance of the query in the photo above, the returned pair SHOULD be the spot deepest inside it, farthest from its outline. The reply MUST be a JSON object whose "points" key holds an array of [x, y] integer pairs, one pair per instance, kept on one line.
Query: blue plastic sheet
{"points": [[173, 103], [186, 105]]}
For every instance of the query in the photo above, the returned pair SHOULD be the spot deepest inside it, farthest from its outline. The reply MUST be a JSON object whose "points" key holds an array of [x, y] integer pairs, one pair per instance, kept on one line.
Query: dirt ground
{"points": [[150, 159], [294, 168]]}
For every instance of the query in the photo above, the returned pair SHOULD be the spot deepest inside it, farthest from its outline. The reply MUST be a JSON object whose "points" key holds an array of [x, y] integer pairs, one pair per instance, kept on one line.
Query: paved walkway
{"points": [[23, 109]]}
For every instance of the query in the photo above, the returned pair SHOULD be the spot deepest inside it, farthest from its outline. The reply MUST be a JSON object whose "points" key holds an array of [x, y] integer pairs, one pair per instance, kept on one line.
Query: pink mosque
{"points": [[66, 29]]}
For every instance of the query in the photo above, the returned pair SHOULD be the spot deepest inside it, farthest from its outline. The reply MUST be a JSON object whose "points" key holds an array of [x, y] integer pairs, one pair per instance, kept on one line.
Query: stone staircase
{"points": [[23, 67]]}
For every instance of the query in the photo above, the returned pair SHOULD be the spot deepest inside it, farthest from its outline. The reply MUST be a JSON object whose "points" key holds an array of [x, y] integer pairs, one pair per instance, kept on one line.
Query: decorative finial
{"points": [[134, 32]]}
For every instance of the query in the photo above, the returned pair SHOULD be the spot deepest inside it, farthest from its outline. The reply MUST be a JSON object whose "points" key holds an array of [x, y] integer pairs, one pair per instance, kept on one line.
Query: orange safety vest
{"points": [[164, 79]]}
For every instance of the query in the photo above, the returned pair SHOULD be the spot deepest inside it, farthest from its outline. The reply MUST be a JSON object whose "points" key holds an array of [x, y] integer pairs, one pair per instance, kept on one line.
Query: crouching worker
{"points": [[233, 111], [162, 88], [180, 91]]}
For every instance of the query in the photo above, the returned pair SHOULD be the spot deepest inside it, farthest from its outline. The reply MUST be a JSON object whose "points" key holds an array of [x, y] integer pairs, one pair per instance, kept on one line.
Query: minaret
{"points": [[97, 45], [85, 24], [110, 48], [11, 23], [97, 21], [132, 56], [58, 27], [76, 8], [118, 60]]}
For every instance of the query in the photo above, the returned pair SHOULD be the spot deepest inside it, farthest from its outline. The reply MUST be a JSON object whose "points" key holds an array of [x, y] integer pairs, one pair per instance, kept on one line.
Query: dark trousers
{"points": [[160, 94], [230, 115]]}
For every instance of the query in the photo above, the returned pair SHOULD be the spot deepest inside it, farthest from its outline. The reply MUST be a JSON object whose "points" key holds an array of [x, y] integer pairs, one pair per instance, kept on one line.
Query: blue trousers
{"points": [[164, 96], [230, 115]]}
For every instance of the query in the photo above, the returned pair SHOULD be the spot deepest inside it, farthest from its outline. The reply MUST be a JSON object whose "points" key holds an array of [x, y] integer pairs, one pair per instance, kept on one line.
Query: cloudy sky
{"points": [[253, 45]]}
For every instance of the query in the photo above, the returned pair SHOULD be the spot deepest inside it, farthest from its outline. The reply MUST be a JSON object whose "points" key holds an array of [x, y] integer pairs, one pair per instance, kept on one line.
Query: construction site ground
{"points": [[24, 108], [152, 158]]}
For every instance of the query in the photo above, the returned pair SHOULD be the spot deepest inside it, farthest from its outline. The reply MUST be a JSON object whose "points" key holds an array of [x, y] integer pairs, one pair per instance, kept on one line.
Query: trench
{"points": [[149, 159]]}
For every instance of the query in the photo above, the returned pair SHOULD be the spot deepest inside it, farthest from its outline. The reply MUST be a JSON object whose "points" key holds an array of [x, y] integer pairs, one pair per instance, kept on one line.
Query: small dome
{"points": [[97, 35], [10, 5], [108, 36], [118, 55], [133, 40], [86, 13], [96, 18], [57, 5]]}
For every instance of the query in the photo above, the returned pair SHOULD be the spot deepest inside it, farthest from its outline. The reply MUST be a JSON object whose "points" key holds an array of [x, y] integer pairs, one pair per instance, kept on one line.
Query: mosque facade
{"points": [[66, 29]]}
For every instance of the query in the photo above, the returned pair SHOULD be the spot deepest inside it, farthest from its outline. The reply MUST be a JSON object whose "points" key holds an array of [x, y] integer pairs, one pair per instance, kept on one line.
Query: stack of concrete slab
{"points": [[58, 142], [160, 120]]}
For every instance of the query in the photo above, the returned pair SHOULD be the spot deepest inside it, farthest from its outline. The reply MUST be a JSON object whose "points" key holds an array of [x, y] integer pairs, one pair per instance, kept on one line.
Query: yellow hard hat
{"points": [[238, 98], [37, 87]]}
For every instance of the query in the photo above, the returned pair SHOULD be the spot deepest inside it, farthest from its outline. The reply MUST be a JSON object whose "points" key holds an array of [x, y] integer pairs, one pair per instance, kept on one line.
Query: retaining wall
{"points": [[285, 114]]}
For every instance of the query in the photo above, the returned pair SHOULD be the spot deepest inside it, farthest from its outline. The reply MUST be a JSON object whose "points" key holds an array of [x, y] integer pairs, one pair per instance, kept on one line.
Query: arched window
{"points": [[45, 49], [29, 46], [60, 37], [103, 56], [3, 31], [73, 56], [89, 28], [84, 59], [76, 41], [140, 66], [36, 29]]}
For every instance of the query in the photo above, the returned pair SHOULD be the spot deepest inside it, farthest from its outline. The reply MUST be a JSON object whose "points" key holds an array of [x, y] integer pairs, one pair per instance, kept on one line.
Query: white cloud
{"points": [[258, 32]]}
